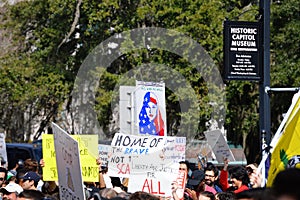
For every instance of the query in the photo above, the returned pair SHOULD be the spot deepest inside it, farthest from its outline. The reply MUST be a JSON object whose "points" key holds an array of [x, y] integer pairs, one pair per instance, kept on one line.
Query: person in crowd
{"points": [[11, 191], [225, 196], [139, 195], [286, 184], [238, 177], [13, 166], [255, 176], [117, 185], [255, 194], [185, 166], [30, 180], [211, 176], [104, 179], [196, 185], [108, 193], [33, 165], [31, 195], [3, 173], [206, 196]]}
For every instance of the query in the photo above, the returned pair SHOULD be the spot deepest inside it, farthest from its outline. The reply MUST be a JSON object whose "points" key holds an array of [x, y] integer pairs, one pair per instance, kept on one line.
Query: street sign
{"points": [[242, 51]]}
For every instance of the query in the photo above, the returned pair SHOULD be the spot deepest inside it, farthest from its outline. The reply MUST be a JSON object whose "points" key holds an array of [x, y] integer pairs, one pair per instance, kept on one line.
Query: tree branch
{"points": [[73, 26]]}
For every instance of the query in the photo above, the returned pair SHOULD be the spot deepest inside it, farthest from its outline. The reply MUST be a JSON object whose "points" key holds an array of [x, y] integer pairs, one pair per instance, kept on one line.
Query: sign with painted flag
{"points": [[68, 165], [151, 108], [286, 153]]}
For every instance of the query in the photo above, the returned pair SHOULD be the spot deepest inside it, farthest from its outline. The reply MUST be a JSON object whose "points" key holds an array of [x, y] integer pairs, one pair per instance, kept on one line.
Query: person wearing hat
{"points": [[11, 191], [196, 185], [30, 180]]}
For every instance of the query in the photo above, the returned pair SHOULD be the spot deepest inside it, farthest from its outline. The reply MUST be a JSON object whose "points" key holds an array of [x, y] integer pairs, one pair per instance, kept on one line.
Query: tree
{"points": [[51, 39]]}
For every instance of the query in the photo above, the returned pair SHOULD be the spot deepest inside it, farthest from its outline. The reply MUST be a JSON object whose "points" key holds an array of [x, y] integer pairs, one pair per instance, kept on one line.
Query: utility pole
{"points": [[264, 99]]}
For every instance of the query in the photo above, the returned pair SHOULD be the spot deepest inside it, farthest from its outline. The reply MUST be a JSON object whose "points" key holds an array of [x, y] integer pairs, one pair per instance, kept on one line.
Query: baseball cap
{"points": [[196, 177], [31, 176], [11, 187]]}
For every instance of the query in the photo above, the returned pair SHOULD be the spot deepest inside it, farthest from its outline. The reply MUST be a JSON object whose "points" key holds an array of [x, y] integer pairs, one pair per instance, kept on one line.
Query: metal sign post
{"points": [[264, 99]]}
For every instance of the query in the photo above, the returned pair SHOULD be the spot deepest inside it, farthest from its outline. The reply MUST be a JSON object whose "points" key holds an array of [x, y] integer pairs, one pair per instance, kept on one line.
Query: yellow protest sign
{"points": [[88, 148]]}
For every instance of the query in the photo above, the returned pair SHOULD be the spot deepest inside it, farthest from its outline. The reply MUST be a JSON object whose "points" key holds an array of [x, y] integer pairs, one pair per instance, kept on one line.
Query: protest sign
{"points": [[150, 162], [88, 156], [180, 181], [3, 153], [68, 165], [125, 147], [104, 153], [219, 145], [151, 108], [155, 172]]}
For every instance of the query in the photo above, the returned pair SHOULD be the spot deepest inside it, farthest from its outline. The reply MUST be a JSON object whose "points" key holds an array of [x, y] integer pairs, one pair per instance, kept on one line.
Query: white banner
{"points": [[68, 165]]}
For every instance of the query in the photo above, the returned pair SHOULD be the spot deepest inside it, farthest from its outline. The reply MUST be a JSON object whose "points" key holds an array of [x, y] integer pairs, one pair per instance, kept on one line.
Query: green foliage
{"points": [[38, 72]]}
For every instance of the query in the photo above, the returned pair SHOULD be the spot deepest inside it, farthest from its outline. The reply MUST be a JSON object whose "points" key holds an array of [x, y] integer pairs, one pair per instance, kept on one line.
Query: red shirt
{"points": [[225, 185]]}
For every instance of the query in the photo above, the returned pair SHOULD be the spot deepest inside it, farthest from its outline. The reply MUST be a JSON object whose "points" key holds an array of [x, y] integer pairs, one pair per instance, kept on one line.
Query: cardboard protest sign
{"points": [[68, 165], [154, 173], [88, 155], [219, 145]]}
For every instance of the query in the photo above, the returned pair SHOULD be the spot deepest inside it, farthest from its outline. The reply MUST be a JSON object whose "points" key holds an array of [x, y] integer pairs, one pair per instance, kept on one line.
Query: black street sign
{"points": [[242, 51]]}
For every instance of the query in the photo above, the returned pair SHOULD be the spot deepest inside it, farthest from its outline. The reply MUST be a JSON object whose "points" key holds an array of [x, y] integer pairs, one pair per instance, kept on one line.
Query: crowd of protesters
{"points": [[24, 182]]}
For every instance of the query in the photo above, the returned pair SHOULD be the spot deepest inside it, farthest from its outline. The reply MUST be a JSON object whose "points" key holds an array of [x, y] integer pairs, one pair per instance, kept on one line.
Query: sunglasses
{"points": [[1, 179]]}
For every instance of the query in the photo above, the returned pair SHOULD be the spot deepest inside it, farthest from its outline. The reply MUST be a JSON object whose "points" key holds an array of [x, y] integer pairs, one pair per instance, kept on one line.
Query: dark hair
{"points": [[226, 196], [115, 181], [187, 163], [139, 195], [2, 169], [240, 173], [211, 167], [208, 194], [32, 194], [256, 194], [31, 165], [287, 183]]}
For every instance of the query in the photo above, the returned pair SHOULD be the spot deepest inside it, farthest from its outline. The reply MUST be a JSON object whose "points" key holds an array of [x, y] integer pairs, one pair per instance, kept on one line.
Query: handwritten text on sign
{"points": [[155, 173], [126, 147], [88, 155]]}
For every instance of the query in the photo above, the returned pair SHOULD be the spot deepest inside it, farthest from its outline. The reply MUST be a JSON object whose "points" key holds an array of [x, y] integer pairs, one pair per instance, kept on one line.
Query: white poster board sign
{"points": [[3, 154], [180, 181], [126, 147], [68, 165], [151, 108], [219, 145], [104, 151], [155, 173]]}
